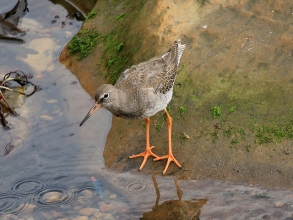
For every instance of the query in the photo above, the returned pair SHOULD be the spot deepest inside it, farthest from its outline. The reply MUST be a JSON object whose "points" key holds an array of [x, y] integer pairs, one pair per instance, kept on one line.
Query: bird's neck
{"points": [[126, 106]]}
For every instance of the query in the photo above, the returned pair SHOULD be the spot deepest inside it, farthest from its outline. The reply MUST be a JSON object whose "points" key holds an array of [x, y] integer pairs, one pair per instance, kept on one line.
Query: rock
{"points": [[77, 207], [279, 204], [46, 215], [54, 214], [108, 216], [51, 101], [97, 213], [52, 197], [68, 34], [86, 193], [86, 211], [81, 218], [46, 117], [50, 68], [9, 217], [104, 207], [113, 196]]}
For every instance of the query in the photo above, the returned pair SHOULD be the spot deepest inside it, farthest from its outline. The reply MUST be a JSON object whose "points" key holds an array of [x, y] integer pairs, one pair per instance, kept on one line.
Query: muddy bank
{"points": [[232, 100]]}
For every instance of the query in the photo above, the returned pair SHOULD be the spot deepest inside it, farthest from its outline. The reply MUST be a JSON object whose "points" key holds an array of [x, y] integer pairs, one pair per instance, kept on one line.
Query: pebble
{"points": [[97, 213], [86, 193], [77, 208], [46, 117], [51, 101], [104, 207], [86, 211], [46, 215], [81, 218], [50, 68], [279, 204], [113, 196], [68, 34], [54, 214], [9, 217], [108, 216], [52, 197]]}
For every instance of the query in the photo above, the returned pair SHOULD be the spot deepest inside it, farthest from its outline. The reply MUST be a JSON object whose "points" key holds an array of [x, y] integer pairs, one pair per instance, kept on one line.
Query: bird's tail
{"points": [[175, 53]]}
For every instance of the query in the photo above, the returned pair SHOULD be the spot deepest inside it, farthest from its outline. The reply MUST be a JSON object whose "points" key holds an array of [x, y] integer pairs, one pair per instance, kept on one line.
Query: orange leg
{"points": [[169, 156], [148, 152]]}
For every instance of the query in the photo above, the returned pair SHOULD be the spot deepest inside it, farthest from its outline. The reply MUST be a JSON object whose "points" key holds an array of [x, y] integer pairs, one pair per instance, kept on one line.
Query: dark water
{"points": [[55, 169]]}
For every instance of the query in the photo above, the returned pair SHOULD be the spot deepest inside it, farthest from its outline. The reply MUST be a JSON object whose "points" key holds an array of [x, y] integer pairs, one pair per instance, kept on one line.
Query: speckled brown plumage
{"points": [[158, 73]]}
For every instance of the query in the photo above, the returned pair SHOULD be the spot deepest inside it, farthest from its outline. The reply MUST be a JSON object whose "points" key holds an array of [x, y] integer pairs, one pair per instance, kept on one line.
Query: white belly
{"points": [[158, 103]]}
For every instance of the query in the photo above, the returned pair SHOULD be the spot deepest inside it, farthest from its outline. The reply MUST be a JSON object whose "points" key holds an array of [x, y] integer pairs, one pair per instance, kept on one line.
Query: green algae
{"points": [[270, 129], [84, 42], [216, 111], [120, 17], [91, 14], [182, 109]]}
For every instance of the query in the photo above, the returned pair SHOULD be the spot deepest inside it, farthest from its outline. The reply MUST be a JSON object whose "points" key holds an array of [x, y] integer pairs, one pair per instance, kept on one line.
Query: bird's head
{"points": [[105, 96]]}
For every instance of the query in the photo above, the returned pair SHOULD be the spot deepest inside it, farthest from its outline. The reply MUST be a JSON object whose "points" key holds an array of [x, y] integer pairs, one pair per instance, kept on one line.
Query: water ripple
{"points": [[28, 186], [136, 187], [11, 204], [54, 196]]}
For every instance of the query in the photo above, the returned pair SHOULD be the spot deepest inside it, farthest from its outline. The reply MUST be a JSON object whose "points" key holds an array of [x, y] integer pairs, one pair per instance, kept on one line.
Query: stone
{"points": [[52, 197], [279, 204], [97, 213], [86, 193], [81, 218], [108, 216], [113, 196], [9, 217], [46, 215], [77, 207], [86, 211], [46, 117], [50, 68], [51, 100]]}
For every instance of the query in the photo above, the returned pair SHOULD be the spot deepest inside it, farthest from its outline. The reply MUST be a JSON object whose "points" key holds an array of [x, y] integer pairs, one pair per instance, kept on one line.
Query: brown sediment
{"points": [[237, 55]]}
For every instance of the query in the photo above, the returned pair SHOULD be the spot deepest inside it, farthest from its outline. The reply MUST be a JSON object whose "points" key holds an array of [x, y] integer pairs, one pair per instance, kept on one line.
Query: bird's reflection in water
{"points": [[174, 209]]}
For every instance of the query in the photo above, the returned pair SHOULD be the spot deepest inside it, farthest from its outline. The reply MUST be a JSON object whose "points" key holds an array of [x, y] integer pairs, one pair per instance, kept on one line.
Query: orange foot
{"points": [[148, 152], [170, 158]]}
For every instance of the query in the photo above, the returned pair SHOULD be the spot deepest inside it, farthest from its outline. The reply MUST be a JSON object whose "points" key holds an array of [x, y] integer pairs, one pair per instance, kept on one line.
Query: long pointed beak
{"points": [[95, 107]]}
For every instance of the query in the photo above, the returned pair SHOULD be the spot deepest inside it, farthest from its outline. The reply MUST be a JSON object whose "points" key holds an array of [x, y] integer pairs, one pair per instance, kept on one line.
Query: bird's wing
{"points": [[158, 73]]}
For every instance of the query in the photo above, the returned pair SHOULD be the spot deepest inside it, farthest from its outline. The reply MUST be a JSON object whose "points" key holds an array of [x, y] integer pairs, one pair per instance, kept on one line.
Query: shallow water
{"points": [[49, 172]]}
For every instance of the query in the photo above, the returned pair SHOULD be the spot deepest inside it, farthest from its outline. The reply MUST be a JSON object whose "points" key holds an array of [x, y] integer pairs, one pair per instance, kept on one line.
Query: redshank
{"points": [[140, 92]]}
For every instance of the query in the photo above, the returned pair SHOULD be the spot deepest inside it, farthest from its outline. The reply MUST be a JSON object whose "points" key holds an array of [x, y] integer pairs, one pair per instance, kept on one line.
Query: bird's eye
{"points": [[106, 95]]}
